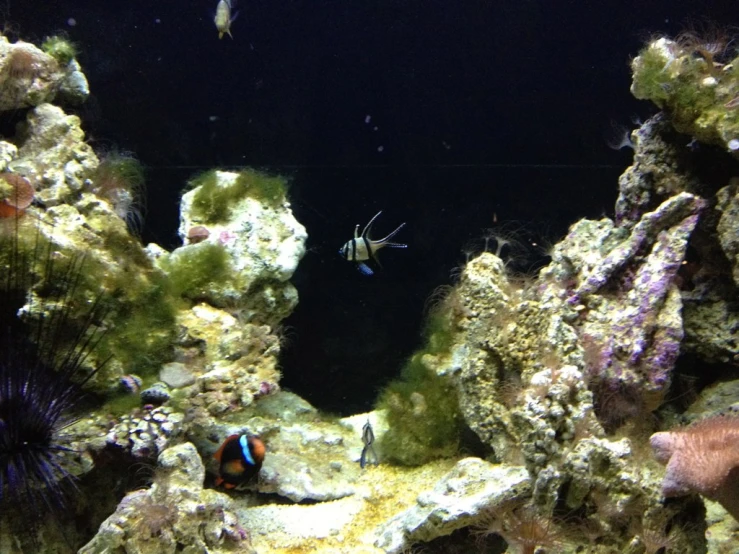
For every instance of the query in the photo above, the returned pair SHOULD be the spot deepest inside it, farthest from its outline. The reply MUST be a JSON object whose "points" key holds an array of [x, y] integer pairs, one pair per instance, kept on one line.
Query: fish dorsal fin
{"points": [[368, 227]]}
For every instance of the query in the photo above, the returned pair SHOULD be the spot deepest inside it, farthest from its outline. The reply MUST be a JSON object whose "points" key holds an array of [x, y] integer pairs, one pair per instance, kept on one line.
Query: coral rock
{"points": [[175, 515], [460, 498], [702, 458]]}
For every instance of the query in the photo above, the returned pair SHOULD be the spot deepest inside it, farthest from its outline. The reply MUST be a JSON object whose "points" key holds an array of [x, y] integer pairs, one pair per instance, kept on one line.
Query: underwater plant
{"points": [[41, 375]]}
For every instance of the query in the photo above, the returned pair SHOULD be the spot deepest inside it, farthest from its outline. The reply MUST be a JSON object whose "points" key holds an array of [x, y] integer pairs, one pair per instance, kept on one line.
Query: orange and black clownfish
{"points": [[239, 458]]}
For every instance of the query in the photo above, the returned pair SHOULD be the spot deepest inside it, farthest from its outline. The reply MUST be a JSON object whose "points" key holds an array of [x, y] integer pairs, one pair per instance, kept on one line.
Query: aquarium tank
{"points": [[369, 277]]}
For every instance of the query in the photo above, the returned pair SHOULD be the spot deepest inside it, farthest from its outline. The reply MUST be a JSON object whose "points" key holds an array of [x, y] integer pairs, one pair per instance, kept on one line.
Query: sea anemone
{"points": [[119, 179], [707, 40], [40, 382], [16, 194], [524, 529]]}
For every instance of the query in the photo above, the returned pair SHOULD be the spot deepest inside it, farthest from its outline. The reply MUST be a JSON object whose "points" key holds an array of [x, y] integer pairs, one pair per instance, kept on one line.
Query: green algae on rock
{"points": [[257, 242], [216, 197], [700, 94]]}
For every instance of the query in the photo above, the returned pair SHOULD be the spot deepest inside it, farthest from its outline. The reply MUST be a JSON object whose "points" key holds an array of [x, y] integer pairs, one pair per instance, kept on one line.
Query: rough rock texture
{"points": [[698, 96], [176, 514], [31, 77], [721, 397], [663, 167], [459, 499], [308, 459], [350, 524], [659, 170], [728, 205], [597, 333], [231, 363], [264, 244], [53, 154], [697, 91], [633, 331]]}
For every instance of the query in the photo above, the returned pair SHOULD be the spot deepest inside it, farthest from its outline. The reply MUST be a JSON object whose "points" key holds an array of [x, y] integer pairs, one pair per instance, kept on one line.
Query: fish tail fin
{"points": [[219, 481]]}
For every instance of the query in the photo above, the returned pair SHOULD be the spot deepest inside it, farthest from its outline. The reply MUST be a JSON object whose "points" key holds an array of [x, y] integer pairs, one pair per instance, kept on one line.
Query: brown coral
{"points": [[703, 459], [19, 194]]}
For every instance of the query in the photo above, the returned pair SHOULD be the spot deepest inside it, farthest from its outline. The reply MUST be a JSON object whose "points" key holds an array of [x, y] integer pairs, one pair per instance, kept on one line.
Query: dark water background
{"points": [[478, 111]]}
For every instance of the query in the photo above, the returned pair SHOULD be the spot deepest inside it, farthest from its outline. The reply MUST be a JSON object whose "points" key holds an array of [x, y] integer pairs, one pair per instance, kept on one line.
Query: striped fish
{"points": [[362, 248]]}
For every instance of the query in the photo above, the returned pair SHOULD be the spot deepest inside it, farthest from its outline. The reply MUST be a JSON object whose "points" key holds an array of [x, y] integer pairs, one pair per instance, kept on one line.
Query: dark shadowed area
{"points": [[454, 117]]}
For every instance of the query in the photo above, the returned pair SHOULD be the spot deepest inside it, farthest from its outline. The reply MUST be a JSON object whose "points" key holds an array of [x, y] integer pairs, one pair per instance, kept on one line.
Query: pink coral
{"points": [[702, 458]]}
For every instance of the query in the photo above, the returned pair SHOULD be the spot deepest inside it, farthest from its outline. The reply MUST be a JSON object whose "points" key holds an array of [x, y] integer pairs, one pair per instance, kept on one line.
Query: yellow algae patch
{"points": [[346, 525]]}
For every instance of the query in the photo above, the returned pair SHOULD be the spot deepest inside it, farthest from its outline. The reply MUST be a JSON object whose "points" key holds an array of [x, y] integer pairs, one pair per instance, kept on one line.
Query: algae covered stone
{"points": [[699, 92], [253, 246]]}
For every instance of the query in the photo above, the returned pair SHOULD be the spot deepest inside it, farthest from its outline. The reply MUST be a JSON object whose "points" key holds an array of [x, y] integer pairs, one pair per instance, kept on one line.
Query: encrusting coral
{"points": [[702, 458]]}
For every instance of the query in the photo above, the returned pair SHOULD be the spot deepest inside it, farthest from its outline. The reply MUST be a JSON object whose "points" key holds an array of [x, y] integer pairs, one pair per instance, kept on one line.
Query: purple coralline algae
{"points": [[631, 323]]}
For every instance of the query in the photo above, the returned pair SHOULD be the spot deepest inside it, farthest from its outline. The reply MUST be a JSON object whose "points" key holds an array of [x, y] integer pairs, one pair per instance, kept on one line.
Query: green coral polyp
{"points": [[214, 200], [60, 48], [193, 269]]}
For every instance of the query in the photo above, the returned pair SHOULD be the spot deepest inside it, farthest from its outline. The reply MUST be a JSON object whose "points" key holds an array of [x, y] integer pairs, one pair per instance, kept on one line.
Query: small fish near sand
{"points": [[362, 248], [368, 456], [223, 18], [239, 458]]}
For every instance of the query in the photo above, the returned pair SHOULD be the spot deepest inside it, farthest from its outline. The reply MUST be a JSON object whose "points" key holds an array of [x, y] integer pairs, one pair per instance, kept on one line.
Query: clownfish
{"points": [[239, 458], [362, 248]]}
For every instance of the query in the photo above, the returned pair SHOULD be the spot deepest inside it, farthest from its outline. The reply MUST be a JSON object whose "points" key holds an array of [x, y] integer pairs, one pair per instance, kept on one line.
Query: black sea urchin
{"points": [[41, 360]]}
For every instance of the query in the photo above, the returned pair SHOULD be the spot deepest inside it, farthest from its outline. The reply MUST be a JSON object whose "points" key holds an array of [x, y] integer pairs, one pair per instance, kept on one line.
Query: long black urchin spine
{"points": [[41, 372]]}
